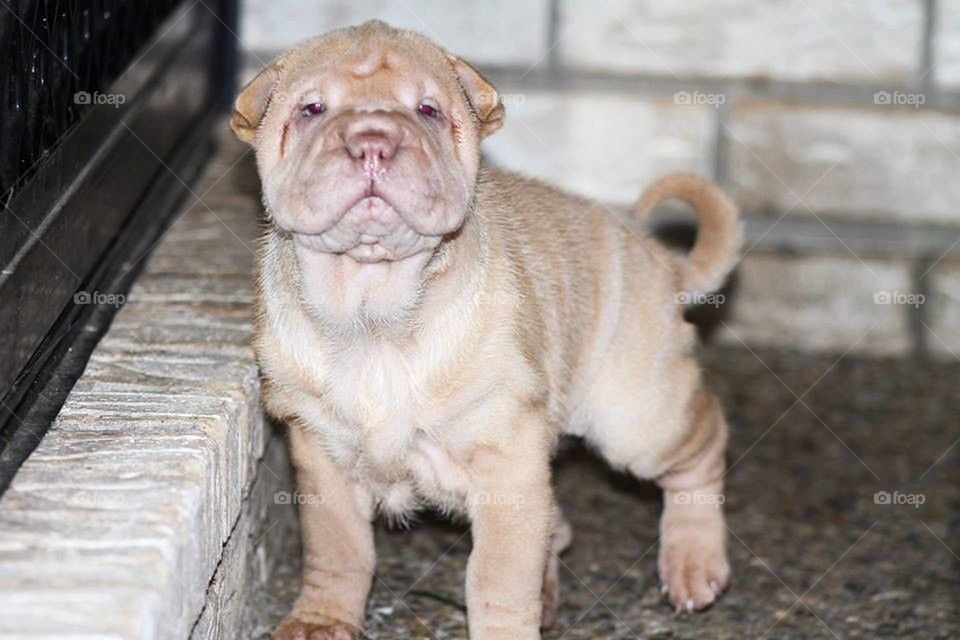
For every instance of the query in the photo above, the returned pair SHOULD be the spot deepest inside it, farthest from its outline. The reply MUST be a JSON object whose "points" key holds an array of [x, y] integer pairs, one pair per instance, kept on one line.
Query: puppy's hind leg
{"points": [[692, 562]]}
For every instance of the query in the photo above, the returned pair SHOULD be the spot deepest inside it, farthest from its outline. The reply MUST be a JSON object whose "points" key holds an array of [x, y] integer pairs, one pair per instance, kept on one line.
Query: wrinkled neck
{"points": [[390, 299]]}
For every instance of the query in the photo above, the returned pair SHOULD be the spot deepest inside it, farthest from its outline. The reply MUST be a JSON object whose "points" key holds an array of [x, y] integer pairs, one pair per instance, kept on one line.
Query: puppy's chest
{"points": [[395, 431]]}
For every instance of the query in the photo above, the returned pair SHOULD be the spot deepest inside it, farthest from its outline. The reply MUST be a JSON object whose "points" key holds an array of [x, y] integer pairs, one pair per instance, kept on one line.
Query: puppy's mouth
{"points": [[370, 230]]}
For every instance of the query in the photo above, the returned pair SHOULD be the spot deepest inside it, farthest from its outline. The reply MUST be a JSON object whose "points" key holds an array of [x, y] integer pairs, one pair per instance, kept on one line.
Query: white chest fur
{"points": [[394, 420]]}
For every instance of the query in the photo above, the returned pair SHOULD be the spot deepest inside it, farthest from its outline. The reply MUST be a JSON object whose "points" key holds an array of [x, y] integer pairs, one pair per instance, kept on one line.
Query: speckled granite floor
{"points": [[801, 510]]}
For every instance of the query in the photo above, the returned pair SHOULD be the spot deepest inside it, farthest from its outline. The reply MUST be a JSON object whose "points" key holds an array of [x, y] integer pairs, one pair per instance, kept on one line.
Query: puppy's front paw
{"points": [[295, 629], [693, 569]]}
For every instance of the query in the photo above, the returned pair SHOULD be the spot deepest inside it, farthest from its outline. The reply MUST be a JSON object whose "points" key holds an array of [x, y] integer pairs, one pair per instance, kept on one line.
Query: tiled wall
{"points": [[835, 124]]}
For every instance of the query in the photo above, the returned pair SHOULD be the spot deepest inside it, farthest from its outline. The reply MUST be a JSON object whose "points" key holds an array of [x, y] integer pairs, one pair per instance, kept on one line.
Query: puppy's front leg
{"points": [[511, 509], [338, 551]]}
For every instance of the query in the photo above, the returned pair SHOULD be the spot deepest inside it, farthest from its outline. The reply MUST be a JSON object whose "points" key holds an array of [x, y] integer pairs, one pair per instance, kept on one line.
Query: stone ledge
{"points": [[261, 538], [117, 525]]}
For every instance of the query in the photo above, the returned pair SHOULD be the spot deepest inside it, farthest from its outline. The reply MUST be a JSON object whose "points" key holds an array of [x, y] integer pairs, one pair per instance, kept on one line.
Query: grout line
{"points": [[804, 93], [927, 61], [803, 234], [721, 146], [553, 34], [555, 76]]}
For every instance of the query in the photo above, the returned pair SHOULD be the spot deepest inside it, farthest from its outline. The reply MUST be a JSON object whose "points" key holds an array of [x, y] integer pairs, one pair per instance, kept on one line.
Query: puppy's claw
{"points": [[684, 607], [548, 617], [551, 599]]}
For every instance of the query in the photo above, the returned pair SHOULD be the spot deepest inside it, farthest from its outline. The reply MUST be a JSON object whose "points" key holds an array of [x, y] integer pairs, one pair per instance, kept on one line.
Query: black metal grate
{"points": [[50, 51], [86, 189]]}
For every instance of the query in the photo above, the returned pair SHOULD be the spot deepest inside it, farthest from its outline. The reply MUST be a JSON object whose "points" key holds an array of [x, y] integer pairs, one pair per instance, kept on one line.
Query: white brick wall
{"points": [[946, 44], [490, 32], [782, 39], [881, 163], [800, 302], [603, 145]]}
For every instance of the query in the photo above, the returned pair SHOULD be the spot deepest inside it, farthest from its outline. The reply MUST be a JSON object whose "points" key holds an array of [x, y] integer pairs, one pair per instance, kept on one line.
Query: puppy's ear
{"points": [[252, 103], [482, 96]]}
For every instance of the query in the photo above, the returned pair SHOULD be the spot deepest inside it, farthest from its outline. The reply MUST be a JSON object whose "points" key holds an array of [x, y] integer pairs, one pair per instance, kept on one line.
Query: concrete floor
{"points": [[800, 506]]}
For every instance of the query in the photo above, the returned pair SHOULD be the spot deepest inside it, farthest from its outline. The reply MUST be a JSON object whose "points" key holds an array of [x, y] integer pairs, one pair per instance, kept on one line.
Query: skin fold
{"points": [[429, 326]]}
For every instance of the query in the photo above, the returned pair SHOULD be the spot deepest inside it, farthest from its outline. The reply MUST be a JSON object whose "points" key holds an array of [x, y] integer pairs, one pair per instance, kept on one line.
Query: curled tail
{"points": [[718, 234]]}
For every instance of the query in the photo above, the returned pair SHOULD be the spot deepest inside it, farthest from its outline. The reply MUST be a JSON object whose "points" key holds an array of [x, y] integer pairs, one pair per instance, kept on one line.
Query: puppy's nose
{"points": [[372, 147]]}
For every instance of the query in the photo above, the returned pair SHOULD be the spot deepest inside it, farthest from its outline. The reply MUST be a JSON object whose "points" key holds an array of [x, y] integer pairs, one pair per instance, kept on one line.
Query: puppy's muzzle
{"points": [[373, 141]]}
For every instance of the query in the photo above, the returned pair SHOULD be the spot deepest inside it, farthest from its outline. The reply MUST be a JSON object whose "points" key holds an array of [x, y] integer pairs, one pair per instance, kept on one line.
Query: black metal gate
{"points": [[106, 113]]}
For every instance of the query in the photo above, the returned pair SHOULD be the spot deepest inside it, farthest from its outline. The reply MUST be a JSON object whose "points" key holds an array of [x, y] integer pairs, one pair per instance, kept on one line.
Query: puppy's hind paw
{"points": [[295, 629], [692, 578]]}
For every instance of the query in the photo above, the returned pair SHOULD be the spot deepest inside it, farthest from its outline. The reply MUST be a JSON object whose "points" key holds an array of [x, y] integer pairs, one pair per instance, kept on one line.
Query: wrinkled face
{"points": [[367, 141]]}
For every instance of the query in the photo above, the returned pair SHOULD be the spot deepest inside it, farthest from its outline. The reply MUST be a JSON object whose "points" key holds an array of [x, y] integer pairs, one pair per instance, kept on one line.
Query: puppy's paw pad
{"points": [[693, 577], [296, 629]]}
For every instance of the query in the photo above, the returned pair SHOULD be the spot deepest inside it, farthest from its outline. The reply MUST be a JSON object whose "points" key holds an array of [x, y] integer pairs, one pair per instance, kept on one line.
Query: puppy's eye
{"points": [[428, 110], [313, 109]]}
